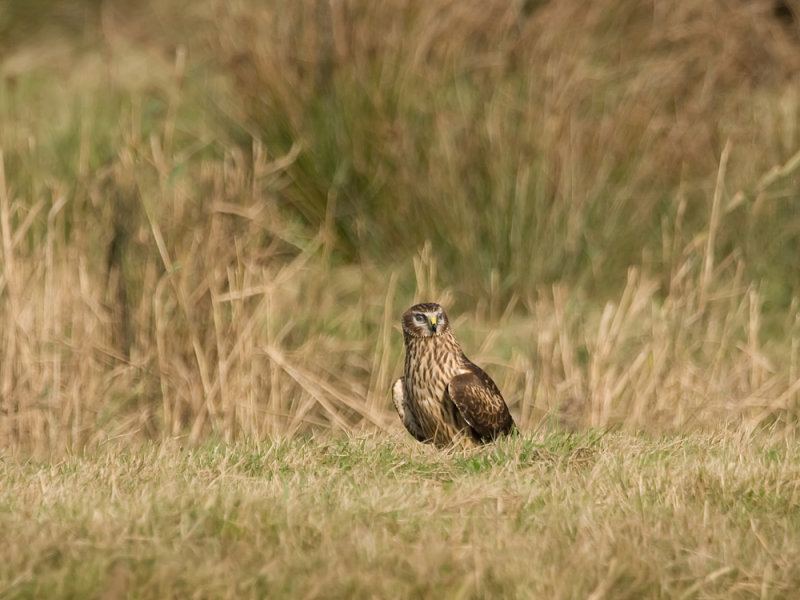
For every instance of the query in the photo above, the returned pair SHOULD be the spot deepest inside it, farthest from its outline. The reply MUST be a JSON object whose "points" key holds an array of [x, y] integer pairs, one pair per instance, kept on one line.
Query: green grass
{"points": [[542, 515]]}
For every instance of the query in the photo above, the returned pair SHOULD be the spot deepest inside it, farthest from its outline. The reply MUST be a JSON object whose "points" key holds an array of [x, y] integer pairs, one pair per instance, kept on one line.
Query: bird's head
{"points": [[425, 320]]}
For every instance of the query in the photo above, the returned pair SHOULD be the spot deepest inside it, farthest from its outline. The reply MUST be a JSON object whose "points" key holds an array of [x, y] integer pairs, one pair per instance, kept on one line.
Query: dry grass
{"points": [[546, 516], [540, 139], [213, 233]]}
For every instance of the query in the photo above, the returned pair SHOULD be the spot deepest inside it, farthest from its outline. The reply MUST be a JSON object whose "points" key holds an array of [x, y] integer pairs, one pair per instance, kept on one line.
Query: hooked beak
{"points": [[432, 320]]}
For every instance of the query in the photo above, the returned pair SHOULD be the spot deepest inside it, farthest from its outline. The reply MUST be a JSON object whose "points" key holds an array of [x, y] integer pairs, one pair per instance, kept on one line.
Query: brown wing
{"points": [[480, 403]]}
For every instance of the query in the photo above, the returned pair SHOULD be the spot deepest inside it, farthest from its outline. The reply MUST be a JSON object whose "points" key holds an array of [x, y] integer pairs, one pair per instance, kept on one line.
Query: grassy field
{"points": [[212, 218], [549, 515]]}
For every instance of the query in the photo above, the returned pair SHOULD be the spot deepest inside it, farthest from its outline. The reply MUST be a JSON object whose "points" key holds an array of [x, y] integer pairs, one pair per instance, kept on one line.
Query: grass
{"points": [[216, 228], [542, 515], [212, 218]]}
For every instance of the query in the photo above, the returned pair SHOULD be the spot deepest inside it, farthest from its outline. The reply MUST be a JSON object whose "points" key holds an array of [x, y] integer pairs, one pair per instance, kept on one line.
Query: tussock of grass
{"points": [[553, 515], [538, 139]]}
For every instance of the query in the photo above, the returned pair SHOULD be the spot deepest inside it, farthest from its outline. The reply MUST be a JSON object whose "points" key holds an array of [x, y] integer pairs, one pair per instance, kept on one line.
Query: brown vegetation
{"points": [[211, 219]]}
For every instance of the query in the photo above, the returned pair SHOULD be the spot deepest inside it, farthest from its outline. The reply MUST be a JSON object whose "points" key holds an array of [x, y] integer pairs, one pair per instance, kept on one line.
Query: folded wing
{"points": [[479, 401]]}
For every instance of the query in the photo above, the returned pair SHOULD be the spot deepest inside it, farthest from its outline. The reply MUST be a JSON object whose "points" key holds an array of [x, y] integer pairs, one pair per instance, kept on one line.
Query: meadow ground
{"points": [[212, 217], [544, 515]]}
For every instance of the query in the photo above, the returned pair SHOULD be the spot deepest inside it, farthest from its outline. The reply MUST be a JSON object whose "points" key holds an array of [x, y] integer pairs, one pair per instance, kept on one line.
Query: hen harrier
{"points": [[443, 396]]}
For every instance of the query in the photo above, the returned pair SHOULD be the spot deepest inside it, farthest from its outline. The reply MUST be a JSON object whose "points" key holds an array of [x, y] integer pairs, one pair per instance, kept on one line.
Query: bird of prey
{"points": [[443, 397]]}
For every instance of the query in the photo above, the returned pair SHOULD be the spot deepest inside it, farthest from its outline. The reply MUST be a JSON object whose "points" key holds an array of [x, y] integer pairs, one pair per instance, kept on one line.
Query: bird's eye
{"points": [[419, 318]]}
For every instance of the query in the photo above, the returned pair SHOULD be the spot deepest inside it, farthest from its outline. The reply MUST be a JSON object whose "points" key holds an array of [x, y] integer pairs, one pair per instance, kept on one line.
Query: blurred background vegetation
{"points": [[213, 215]]}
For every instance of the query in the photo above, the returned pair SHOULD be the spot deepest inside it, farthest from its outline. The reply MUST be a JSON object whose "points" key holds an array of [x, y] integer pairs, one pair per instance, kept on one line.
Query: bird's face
{"points": [[425, 320]]}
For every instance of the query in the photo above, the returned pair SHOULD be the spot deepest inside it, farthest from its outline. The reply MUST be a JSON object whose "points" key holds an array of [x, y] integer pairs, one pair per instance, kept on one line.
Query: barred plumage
{"points": [[443, 396]]}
